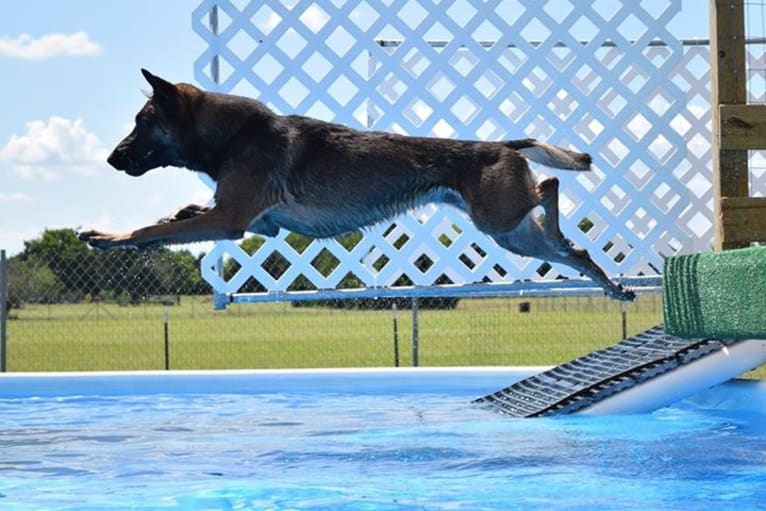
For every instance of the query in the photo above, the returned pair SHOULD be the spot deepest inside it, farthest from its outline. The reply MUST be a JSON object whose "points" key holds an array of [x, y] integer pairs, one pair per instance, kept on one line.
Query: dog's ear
{"points": [[162, 89]]}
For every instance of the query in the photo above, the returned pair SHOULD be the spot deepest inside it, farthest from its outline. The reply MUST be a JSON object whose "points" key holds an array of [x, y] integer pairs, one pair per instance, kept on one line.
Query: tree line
{"points": [[59, 268]]}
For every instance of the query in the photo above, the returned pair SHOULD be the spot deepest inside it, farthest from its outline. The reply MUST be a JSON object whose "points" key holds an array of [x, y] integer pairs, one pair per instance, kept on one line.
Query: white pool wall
{"points": [[458, 380], [464, 382]]}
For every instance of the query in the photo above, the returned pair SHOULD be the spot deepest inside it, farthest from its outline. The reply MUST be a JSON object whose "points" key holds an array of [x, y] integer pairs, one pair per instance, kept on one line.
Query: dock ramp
{"points": [[640, 374]]}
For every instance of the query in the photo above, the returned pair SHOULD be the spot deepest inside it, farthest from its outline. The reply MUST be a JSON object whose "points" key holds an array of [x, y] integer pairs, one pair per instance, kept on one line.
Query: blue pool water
{"points": [[410, 441]]}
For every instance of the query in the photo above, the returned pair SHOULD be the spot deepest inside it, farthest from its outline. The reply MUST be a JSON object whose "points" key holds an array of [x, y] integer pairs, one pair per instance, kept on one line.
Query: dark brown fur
{"points": [[322, 179]]}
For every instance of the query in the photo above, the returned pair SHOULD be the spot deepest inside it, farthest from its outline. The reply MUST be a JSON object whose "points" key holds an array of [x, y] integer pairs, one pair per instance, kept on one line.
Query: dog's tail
{"points": [[550, 155]]}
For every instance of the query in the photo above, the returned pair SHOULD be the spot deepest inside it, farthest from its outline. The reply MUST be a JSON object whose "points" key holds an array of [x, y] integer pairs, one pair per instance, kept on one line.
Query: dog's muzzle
{"points": [[114, 160], [123, 163]]}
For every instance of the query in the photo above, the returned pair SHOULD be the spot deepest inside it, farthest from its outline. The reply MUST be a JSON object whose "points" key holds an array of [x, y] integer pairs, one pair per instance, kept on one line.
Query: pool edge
{"points": [[470, 380]]}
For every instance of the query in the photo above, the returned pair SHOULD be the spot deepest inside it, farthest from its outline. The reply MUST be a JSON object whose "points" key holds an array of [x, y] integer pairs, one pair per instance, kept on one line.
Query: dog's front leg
{"points": [[185, 212], [214, 224]]}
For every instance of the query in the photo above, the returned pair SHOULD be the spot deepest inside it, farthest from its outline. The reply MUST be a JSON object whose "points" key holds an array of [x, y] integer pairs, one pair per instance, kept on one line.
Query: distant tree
{"points": [[31, 281], [78, 270], [55, 245], [186, 271], [178, 272], [66, 256], [157, 272]]}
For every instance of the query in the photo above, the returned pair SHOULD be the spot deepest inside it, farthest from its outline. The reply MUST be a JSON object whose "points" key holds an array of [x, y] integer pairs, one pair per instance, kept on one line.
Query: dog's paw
{"points": [[102, 240], [622, 294], [184, 213]]}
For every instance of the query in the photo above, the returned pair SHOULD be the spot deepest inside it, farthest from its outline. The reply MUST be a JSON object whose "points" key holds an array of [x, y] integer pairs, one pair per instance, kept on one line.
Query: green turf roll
{"points": [[716, 294]]}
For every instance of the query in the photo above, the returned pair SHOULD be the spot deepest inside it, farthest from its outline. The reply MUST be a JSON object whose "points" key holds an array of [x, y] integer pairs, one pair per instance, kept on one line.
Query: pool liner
{"points": [[716, 294]]}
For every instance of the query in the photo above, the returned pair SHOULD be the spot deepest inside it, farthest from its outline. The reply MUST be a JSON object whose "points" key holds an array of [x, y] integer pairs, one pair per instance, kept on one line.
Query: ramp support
{"points": [[640, 374]]}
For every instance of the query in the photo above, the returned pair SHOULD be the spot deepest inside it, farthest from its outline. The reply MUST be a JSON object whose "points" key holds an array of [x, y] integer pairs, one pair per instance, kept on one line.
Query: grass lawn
{"points": [[86, 337]]}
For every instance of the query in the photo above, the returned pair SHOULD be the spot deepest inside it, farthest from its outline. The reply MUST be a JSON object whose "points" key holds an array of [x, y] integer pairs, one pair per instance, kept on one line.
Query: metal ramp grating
{"points": [[589, 379]]}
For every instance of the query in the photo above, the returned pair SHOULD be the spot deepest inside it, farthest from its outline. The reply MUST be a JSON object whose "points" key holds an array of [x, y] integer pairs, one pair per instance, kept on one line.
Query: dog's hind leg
{"points": [[502, 201], [543, 240], [548, 191], [576, 258]]}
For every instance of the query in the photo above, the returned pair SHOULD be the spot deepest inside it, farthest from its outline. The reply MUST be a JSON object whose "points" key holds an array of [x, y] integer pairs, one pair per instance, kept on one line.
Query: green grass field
{"points": [[88, 337]]}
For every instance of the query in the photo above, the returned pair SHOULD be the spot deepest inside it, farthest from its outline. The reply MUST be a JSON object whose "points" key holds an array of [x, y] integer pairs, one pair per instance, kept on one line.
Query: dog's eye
{"points": [[144, 116]]}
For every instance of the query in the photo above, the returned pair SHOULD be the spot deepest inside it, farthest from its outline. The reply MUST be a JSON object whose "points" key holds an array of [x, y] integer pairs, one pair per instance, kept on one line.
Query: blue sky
{"points": [[71, 88]]}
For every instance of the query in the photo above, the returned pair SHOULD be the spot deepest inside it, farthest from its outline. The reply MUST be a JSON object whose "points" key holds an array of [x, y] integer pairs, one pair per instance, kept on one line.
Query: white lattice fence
{"points": [[607, 78]]}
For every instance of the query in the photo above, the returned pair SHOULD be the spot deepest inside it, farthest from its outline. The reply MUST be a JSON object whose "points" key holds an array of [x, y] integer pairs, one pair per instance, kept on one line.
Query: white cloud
{"points": [[314, 18], [11, 239], [270, 23], [48, 147], [49, 46], [15, 198], [202, 196]]}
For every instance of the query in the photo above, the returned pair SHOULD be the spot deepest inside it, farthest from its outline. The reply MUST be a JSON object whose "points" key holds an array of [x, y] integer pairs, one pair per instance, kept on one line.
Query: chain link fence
{"points": [[71, 308]]}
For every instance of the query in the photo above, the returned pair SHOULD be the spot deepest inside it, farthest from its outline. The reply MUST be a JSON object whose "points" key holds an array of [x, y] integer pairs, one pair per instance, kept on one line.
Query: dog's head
{"points": [[156, 139]]}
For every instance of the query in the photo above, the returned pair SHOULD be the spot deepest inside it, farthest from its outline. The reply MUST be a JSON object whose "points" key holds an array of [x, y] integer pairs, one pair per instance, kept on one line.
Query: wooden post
{"points": [[165, 321], [396, 334], [415, 333], [737, 128], [3, 311]]}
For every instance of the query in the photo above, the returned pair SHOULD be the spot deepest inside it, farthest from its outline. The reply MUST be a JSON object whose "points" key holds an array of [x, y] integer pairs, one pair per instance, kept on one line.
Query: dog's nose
{"points": [[116, 160]]}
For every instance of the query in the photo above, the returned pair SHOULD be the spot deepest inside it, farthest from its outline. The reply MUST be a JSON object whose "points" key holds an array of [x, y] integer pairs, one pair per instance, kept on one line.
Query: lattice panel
{"points": [[756, 89], [591, 77]]}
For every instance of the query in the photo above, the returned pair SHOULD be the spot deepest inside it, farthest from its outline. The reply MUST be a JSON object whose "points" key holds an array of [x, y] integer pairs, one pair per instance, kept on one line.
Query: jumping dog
{"points": [[322, 179]]}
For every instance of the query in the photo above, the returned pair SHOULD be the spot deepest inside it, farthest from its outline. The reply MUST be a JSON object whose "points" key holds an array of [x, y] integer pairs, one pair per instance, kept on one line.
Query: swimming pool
{"points": [[362, 440]]}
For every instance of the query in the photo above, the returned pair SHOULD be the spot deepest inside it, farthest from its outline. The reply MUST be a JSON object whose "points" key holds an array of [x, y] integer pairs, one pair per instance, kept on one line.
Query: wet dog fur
{"points": [[322, 179]]}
